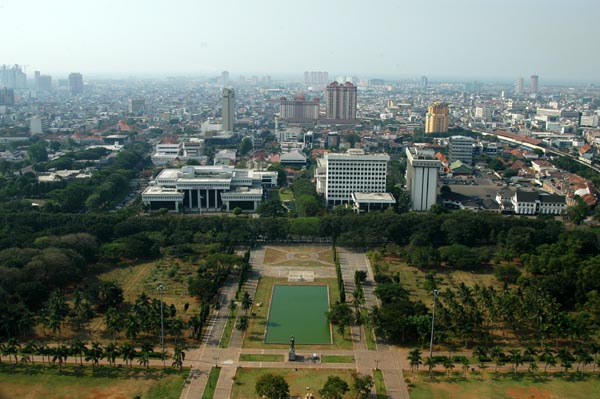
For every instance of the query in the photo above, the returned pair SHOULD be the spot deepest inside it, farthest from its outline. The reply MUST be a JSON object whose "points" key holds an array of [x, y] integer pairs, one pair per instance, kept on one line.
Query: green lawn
{"points": [[299, 311], [37, 382], [254, 336], [286, 194], [299, 381], [368, 332], [229, 325], [337, 359], [250, 357], [379, 384], [522, 386], [211, 384]]}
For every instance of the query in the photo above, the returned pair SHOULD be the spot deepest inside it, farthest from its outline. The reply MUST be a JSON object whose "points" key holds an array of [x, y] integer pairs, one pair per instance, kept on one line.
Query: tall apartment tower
{"points": [[436, 120], [424, 82], [299, 110], [519, 86], [421, 178], [225, 77], [461, 149], [228, 111], [76, 83], [534, 84], [341, 102], [339, 175], [136, 106]]}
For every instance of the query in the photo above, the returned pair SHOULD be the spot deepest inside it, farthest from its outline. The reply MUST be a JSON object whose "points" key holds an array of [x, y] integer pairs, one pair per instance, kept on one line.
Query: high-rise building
{"points": [[421, 178], [225, 77], [299, 110], [534, 85], [44, 82], [519, 86], [228, 111], [37, 125], [76, 83], [424, 82], [436, 120], [341, 102], [7, 96], [316, 77], [340, 175], [461, 149], [13, 77], [136, 106]]}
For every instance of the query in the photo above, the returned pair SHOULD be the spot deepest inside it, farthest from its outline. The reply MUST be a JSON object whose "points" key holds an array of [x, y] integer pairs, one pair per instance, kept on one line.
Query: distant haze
{"points": [[471, 39]]}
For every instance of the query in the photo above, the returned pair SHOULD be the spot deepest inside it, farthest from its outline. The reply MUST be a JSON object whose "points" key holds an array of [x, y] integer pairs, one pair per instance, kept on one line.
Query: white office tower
{"points": [[340, 175], [461, 149], [228, 112], [421, 178]]}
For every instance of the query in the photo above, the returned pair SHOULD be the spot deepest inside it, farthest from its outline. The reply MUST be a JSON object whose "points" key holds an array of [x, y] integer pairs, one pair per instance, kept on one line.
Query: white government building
{"points": [[421, 178], [340, 175], [199, 189]]}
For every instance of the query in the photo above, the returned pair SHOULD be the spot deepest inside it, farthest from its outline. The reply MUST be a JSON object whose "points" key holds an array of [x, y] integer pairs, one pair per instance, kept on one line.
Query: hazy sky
{"points": [[472, 39]]}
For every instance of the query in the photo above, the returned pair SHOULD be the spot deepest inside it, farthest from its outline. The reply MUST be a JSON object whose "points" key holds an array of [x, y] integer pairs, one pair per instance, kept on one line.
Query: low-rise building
{"points": [[533, 203]]}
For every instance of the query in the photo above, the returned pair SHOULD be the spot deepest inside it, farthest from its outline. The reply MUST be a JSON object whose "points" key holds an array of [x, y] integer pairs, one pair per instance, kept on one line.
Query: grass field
{"points": [[254, 337], [38, 382], [299, 381], [506, 386], [251, 357], [303, 256], [211, 384], [286, 194], [412, 278], [379, 384], [337, 359], [299, 311]]}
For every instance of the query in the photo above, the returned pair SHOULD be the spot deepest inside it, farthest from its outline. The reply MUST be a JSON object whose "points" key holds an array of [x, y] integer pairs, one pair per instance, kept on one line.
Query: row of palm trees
{"points": [[580, 357], [93, 353]]}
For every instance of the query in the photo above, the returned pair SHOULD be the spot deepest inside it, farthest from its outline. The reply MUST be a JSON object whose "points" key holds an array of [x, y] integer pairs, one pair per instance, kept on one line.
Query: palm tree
{"points": [[547, 356], [582, 356], [243, 323], [246, 302], [60, 355], [430, 362], [529, 355], [178, 357], [94, 354], [2, 348], [12, 349], [498, 357], [594, 348], [176, 326], [113, 322], [464, 361], [78, 348], [31, 349], [482, 358], [414, 357], [516, 359], [448, 364], [566, 359], [132, 327], [111, 351], [128, 352], [146, 350]]}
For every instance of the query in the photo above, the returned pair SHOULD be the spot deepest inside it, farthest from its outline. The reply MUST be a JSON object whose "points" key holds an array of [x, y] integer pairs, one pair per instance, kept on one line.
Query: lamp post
{"points": [[160, 289], [435, 294]]}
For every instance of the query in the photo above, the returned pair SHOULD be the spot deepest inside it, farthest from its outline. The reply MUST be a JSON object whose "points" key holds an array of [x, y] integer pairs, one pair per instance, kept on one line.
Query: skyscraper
{"points": [[341, 102], [76, 83], [461, 149], [299, 110], [228, 111], [316, 77], [225, 77], [137, 106], [519, 86], [424, 82], [421, 178], [436, 120], [534, 85]]}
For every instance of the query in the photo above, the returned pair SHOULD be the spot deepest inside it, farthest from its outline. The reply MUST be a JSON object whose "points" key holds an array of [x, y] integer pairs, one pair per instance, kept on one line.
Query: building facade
{"points": [[76, 83], [533, 203], [316, 77], [421, 178], [534, 84], [299, 110], [460, 148], [228, 111], [340, 175], [201, 189], [436, 119], [341, 102], [136, 106], [519, 86]]}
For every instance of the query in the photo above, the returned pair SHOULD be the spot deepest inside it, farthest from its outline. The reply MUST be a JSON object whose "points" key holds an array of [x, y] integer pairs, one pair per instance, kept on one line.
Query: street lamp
{"points": [[160, 289], [435, 294]]}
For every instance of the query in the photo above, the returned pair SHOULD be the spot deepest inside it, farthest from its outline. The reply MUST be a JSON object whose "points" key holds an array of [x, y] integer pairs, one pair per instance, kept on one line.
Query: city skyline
{"points": [[462, 40]]}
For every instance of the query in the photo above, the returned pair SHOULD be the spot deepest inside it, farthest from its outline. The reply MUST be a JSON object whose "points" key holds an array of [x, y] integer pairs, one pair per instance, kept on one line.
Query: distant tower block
{"points": [[228, 112], [76, 83], [534, 84], [424, 82], [436, 120], [519, 86]]}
